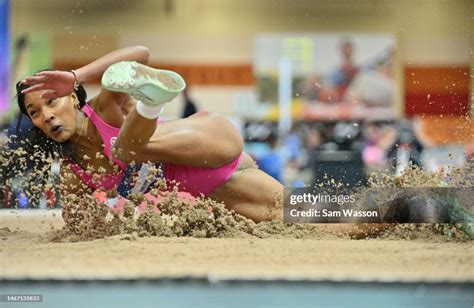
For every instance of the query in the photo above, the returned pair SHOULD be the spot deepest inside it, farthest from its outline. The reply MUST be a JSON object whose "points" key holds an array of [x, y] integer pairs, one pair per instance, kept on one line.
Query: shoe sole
{"points": [[149, 85]]}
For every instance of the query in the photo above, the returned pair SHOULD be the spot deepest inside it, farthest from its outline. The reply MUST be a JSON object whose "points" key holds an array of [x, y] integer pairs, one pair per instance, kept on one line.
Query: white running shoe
{"points": [[146, 84]]}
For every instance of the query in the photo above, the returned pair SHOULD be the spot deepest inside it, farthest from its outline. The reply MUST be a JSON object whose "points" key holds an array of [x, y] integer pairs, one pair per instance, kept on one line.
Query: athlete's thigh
{"points": [[190, 124], [206, 132]]}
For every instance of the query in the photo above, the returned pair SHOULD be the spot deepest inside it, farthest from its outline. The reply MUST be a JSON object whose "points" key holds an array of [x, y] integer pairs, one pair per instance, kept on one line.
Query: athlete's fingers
{"points": [[48, 75], [34, 88], [32, 80], [45, 73], [45, 76]]}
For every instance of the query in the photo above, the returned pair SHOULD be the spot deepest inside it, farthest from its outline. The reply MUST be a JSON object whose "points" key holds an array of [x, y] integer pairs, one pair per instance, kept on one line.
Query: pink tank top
{"points": [[109, 135], [194, 180]]}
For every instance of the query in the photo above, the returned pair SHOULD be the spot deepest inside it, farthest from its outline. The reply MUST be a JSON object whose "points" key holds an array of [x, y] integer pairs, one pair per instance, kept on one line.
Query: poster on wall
{"points": [[334, 76]]}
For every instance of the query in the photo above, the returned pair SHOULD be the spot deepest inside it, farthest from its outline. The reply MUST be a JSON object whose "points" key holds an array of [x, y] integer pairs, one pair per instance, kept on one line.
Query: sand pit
{"points": [[175, 237], [419, 255]]}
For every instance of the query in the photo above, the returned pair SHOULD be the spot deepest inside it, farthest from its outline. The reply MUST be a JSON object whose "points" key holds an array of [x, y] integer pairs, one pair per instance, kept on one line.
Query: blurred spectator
{"points": [[406, 150], [328, 137], [291, 144], [189, 106], [271, 162], [343, 76], [379, 139], [23, 201], [345, 134], [313, 139]]}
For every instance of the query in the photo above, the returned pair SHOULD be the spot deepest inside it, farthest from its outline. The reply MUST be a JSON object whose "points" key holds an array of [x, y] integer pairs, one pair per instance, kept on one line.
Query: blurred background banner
{"points": [[334, 75], [4, 58]]}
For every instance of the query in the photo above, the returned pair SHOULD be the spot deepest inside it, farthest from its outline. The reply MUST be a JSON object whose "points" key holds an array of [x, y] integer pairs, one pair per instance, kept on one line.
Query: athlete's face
{"points": [[56, 118]]}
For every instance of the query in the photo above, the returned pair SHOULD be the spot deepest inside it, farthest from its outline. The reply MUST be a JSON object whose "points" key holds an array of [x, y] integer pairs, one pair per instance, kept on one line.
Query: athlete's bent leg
{"points": [[202, 140]]}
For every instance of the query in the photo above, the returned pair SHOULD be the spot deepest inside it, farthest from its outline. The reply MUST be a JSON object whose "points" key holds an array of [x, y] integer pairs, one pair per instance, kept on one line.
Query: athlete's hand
{"points": [[56, 83]]}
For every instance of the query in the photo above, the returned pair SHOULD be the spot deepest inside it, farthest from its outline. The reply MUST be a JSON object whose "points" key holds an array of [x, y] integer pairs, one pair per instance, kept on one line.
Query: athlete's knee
{"points": [[224, 138], [233, 144], [233, 150], [218, 152], [229, 148]]}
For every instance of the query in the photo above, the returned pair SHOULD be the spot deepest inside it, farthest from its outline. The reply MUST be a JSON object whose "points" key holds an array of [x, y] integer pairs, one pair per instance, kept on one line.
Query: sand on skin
{"points": [[27, 252]]}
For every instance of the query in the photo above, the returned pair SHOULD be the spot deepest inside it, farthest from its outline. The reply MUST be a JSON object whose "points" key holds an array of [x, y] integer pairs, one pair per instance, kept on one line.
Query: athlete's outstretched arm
{"points": [[97, 68], [61, 83]]}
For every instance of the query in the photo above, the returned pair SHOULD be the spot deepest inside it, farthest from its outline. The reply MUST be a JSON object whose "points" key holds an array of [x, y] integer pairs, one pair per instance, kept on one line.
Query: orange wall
{"points": [[437, 90]]}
